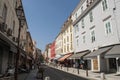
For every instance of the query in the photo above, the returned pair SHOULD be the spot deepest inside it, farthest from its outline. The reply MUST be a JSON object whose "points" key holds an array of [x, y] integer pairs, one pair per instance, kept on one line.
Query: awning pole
{"points": [[87, 68], [117, 64]]}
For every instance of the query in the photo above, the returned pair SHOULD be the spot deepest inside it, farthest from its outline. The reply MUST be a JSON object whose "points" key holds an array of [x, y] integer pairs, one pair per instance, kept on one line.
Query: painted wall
{"points": [[52, 52], [100, 17]]}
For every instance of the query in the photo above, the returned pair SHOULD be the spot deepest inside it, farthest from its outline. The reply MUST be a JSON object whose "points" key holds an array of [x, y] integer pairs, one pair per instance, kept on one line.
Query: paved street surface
{"points": [[53, 74]]}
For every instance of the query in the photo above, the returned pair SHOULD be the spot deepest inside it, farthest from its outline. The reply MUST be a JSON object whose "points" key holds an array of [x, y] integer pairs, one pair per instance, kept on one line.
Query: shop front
{"points": [[64, 61], [113, 57], [79, 62], [98, 60], [7, 52]]}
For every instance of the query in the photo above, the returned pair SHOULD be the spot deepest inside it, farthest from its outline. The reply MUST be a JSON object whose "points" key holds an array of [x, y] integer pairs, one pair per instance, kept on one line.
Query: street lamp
{"points": [[21, 18]]}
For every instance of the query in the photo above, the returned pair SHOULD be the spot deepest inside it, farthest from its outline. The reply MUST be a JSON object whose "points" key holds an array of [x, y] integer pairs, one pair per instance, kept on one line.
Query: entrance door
{"points": [[95, 64], [112, 65], [1, 54], [119, 65]]}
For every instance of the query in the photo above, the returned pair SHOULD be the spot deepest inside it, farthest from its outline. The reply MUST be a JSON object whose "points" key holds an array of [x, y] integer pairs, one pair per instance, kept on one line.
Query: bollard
{"points": [[78, 70], [102, 76], [67, 69]]}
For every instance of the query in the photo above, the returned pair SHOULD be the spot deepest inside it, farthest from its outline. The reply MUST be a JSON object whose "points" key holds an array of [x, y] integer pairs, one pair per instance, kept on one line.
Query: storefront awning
{"points": [[57, 57], [114, 52], [13, 48], [9, 42], [78, 55], [65, 57], [97, 52]]}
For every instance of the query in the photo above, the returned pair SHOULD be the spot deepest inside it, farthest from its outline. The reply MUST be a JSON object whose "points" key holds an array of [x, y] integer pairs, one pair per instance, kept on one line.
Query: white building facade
{"points": [[96, 26]]}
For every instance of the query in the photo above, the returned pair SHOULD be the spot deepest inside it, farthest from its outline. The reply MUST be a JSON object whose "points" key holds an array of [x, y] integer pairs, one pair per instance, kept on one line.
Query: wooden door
{"points": [[95, 64]]}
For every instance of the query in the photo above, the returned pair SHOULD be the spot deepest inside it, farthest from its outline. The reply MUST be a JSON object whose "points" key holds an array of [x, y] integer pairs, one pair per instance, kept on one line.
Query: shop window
{"points": [[112, 63]]}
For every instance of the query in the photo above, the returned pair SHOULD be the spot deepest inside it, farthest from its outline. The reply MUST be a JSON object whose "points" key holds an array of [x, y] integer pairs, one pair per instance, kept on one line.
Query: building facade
{"points": [[52, 50], [9, 30], [47, 52], [9, 25], [58, 46], [67, 37], [96, 29], [29, 49]]}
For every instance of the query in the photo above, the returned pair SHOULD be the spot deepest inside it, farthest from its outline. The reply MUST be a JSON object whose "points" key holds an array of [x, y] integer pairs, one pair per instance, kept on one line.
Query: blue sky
{"points": [[46, 17]]}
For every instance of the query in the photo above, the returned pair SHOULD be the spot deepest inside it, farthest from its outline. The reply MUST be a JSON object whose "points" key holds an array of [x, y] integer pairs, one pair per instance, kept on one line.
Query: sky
{"points": [[46, 17]]}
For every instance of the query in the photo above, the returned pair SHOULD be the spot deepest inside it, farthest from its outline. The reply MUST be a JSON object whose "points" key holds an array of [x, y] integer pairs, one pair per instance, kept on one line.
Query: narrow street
{"points": [[54, 74]]}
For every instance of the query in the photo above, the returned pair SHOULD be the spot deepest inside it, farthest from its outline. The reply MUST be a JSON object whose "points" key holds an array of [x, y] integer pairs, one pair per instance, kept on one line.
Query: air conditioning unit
{"points": [[13, 39], [9, 32], [4, 27]]}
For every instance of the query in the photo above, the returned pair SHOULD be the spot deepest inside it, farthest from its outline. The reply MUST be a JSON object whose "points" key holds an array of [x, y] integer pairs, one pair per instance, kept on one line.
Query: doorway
{"points": [[112, 64], [1, 56]]}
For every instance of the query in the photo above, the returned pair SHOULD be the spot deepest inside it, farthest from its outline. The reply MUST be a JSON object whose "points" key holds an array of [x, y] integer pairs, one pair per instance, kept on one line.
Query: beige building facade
{"points": [[9, 30], [67, 37], [58, 44]]}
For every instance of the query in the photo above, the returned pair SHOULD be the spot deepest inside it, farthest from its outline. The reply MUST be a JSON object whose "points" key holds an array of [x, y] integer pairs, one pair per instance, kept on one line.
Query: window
{"points": [[81, 9], [92, 36], [64, 40], [13, 26], [4, 14], [76, 28], [84, 39], [71, 46], [68, 48], [91, 16], [104, 4], [71, 38], [108, 28], [82, 23], [77, 42], [64, 48], [70, 29], [67, 39], [14, 3], [76, 16]]}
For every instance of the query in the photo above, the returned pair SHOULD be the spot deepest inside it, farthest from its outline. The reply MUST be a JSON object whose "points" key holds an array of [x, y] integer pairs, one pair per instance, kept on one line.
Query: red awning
{"points": [[65, 57]]}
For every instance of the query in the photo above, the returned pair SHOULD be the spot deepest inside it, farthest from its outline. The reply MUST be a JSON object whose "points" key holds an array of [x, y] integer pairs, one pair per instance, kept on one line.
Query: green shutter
{"points": [[109, 27]]}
